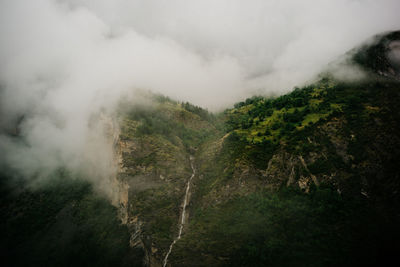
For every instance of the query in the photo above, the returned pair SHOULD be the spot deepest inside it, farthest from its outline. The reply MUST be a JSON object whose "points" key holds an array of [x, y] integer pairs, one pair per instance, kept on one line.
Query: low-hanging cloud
{"points": [[63, 60]]}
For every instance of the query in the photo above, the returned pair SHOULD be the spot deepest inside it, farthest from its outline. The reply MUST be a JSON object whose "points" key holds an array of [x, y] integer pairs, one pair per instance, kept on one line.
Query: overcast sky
{"points": [[61, 60]]}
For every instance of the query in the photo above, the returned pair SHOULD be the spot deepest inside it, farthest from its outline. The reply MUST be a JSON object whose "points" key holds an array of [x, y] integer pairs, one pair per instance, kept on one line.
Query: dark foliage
{"points": [[64, 223]]}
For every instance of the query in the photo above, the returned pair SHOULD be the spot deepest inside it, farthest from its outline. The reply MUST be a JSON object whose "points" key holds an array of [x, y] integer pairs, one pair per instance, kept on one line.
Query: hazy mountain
{"points": [[309, 178]]}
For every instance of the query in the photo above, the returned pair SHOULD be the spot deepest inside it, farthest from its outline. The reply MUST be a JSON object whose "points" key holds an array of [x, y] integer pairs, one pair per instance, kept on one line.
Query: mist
{"points": [[63, 61]]}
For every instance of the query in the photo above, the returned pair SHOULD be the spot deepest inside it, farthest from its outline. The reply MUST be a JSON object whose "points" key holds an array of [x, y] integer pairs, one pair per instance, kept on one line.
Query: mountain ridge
{"points": [[308, 178], [312, 140]]}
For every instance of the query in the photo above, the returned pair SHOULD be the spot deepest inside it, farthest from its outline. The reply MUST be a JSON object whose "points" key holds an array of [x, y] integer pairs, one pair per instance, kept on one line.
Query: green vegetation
{"points": [[174, 122], [348, 215], [309, 178], [158, 207], [63, 223], [278, 119], [165, 133], [285, 228]]}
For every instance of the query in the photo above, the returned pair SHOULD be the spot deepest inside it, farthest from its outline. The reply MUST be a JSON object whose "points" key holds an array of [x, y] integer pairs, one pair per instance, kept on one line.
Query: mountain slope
{"points": [[155, 144], [310, 184], [309, 178]]}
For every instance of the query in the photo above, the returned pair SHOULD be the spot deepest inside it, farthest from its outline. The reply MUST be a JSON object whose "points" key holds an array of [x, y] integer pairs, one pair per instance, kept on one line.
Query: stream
{"points": [[183, 214]]}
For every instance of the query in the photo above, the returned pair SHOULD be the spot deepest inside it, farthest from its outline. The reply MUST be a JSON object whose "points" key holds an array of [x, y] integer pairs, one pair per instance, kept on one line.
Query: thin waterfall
{"points": [[183, 214]]}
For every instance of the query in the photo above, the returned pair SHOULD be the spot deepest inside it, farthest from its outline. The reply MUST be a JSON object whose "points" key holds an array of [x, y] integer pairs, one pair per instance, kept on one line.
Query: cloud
{"points": [[62, 61]]}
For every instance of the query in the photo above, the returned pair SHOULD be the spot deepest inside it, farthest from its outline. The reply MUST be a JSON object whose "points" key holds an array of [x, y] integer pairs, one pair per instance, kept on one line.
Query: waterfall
{"points": [[183, 214]]}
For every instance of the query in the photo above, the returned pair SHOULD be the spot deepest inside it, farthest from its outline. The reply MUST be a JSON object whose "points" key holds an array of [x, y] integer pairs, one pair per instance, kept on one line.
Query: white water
{"points": [[183, 215]]}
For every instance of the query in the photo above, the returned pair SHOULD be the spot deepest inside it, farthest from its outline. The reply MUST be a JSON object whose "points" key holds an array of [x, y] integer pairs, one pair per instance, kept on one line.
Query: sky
{"points": [[61, 61]]}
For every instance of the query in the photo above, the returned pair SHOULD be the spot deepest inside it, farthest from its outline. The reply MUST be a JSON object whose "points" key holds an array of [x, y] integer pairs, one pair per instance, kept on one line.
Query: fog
{"points": [[62, 61]]}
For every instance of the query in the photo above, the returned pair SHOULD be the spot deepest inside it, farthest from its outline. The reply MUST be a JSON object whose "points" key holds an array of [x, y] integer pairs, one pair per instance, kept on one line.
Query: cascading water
{"points": [[183, 214]]}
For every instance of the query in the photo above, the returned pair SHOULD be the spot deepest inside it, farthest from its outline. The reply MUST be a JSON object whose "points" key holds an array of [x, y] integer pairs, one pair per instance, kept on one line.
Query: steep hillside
{"points": [[309, 178], [156, 142]]}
